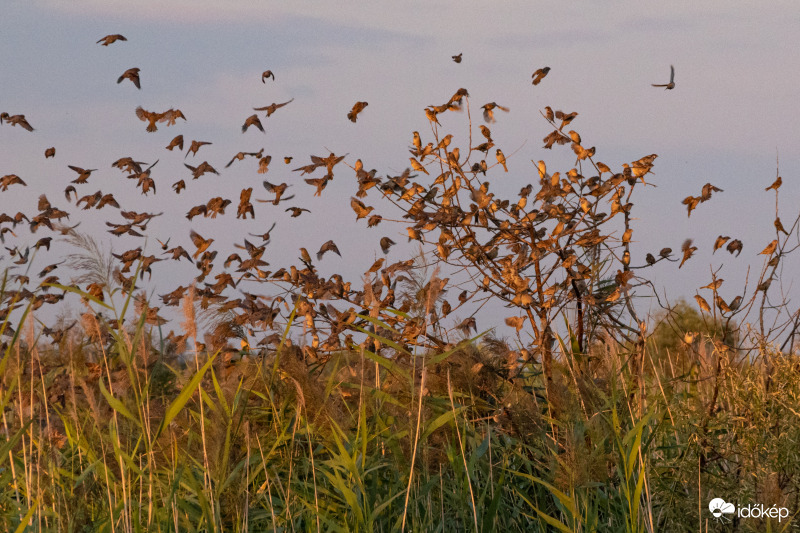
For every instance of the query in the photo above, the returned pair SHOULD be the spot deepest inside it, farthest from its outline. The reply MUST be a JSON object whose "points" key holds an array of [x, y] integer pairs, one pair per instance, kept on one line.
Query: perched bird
{"points": [[267, 74], [50, 152], [417, 166], [131, 74], [539, 75], [702, 303], [770, 249], [329, 246], [195, 147], [358, 107], [671, 84], [200, 243], [501, 158], [775, 185], [16, 120], [109, 39], [252, 120], [457, 58], [177, 141], [270, 109]]}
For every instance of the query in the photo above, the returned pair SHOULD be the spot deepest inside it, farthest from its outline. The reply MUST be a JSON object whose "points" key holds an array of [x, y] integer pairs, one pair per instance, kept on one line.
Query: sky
{"points": [[731, 119]]}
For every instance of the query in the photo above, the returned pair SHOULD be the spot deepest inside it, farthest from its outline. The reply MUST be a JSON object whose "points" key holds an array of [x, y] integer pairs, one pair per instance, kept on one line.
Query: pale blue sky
{"points": [[734, 107]]}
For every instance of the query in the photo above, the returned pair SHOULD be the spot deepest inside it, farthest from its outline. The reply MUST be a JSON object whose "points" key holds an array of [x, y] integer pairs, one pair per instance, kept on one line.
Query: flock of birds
{"points": [[257, 312]]}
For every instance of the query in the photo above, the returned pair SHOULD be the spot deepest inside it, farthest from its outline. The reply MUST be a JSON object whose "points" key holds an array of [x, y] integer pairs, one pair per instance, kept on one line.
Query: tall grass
{"points": [[110, 431]]}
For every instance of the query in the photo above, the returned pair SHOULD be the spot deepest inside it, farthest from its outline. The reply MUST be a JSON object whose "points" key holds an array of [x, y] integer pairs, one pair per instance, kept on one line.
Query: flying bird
{"points": [[150, 117], [50, 152], [131, 74], [270, 109], [252, 120], [329, 246], [109, 39], [386, 243], [83, 174], [358, 107], [297, 211], [488, 111], [457, 58], [177, 141], [539, 75], [671, 84], [200, 243], [195, 147], [267, 74], [15, 120]]}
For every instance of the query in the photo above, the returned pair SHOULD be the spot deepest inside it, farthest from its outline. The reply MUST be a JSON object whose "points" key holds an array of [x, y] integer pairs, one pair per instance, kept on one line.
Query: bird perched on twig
{"points": [[671, 84]]}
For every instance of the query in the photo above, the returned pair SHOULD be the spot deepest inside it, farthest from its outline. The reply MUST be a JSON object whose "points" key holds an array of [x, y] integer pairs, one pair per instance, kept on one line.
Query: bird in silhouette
{"points": [[109, 39], [16, 120], [358, 107], [457, 58], [539, 75], [671, 84], [267, 74], [270, 109], [131, 74]]}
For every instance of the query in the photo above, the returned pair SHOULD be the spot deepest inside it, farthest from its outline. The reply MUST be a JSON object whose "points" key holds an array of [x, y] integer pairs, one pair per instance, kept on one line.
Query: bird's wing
{"points": [[671, 73]]}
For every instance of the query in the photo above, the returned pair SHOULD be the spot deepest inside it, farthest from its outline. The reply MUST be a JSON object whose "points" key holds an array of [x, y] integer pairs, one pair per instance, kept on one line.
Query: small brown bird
{"points": [[688, 250], [329, 246], [734, 246], [201, 169], [241, 155], [501, 158], [779, 226], [200, 243], [177, 141], [270, 109], [770, 249], [50, 152], [361, 210], [252, 120], [457, 58], [702, 303], [488, 111], [287, 159], [358, 107], [263, 164], [297, 211], [148, 116], [376, 266], [171, 115], [179, 186], [83, 174], [386, 244], [720, 242], [671, 84], [539, 75], [109, 39], [16, 120], [776, 184], [267, 74], [9, 180], [417, 166], [277, 189], [195, 147], [131, 74]]}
